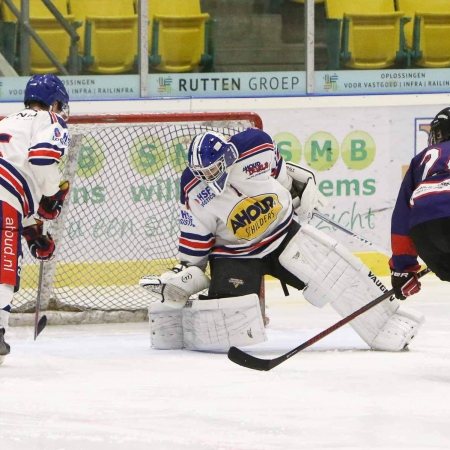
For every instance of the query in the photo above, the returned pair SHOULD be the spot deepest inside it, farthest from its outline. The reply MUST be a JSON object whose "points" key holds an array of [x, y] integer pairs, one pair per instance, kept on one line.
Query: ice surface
{"points": [[102, 387]]}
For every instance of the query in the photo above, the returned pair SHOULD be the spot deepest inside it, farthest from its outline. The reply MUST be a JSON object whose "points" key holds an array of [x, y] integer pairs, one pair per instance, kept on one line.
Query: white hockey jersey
{"points": [[250, 218], [31, 144]]}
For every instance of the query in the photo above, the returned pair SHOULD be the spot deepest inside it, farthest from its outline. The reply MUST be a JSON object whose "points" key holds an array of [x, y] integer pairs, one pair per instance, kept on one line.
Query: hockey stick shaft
{"points": [[351, 233], [251, 362], [40, 323]]}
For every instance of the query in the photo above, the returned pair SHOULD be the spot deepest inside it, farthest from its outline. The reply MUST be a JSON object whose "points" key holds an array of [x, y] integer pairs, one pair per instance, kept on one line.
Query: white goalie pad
{"points": [[334, 275], [166, 330], [208, 325], [216, 325]]}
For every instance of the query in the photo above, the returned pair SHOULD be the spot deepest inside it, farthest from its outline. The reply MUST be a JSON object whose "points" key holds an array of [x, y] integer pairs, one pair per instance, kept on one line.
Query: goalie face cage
{"points": [[120, 219]]}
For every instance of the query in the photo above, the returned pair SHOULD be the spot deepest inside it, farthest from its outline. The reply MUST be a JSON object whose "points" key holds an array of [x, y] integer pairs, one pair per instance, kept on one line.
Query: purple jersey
{"points": [[424, 195]]}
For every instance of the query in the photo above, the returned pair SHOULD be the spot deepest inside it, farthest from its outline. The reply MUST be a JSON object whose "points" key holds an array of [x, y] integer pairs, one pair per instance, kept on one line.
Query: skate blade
{"points": [[2, 358]]}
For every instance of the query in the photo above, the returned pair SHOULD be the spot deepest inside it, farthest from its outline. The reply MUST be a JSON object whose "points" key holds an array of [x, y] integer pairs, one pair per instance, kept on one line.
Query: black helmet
{"points": [[440, 128]]}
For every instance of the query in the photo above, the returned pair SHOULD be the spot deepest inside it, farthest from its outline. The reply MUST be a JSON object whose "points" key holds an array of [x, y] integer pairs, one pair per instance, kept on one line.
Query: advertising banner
{"points": [[349, 82], [359, 156]]}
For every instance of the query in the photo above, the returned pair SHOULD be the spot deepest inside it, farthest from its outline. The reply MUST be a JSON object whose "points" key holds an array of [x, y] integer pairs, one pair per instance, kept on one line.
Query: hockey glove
{"points": [[175, 286], [50, 207], [306, 198], [41, 246], [404, 284]]}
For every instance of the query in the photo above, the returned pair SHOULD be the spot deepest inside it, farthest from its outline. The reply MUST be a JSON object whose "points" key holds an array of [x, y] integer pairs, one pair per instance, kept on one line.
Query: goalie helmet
{"points": [[440, 128], [47, 89], [209, 157]]}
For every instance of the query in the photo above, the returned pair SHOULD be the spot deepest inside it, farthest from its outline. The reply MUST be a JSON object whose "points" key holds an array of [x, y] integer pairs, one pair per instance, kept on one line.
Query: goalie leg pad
{"points": [[166, 330], [334, 275], [207, 325], [216, 325], [325, 266], [404, 325]]}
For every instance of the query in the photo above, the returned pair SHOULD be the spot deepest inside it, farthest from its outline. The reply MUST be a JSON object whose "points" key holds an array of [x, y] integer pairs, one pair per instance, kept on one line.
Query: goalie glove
{"points": [[50, 207], [304, 191], [175, 286], [41, 246], [405, 283]]}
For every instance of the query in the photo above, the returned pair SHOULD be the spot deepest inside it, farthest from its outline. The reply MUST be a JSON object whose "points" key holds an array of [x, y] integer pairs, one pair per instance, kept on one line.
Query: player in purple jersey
{"points": [[421, 218], [237, 204]]}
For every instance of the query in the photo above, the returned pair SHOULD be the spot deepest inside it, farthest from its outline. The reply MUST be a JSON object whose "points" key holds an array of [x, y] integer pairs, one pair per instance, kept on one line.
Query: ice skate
{"points": [[4, 347]]}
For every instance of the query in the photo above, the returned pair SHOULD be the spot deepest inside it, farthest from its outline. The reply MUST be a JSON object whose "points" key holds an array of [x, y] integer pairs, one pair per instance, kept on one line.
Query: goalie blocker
{"points": [[332, 274]]}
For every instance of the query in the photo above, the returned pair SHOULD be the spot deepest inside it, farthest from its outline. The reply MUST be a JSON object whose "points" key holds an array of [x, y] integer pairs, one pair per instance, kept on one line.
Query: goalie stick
{"points": [[351, 233], [252, 362]]}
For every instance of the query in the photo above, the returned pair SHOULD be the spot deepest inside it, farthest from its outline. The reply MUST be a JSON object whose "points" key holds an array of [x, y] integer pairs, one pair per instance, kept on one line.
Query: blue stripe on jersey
{"points": [[47, 145], [195, 244], [188, 182], [5, 138], [62, 122], [9, 186], [53, 117], [45, 154], [197, 237], [263, 149], [191, 252]]}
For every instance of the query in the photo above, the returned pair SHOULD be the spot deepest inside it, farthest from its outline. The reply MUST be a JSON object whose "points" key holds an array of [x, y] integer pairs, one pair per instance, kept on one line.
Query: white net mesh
{"points": [[120, 221]]}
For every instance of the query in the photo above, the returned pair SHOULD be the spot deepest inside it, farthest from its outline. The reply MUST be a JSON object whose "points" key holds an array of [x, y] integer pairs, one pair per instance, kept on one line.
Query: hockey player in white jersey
{"points": [[245, 212], [32, 142]]}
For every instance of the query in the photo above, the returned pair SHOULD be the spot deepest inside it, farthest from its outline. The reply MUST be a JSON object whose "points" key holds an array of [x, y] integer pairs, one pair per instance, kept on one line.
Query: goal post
{"points": [[120, 219]]}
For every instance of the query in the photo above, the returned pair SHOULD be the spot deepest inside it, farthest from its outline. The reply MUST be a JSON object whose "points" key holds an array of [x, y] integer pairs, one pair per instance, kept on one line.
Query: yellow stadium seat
{"points": [[362, 46], [335, 9], [37, 9], [109, 34], [428, 36], [365, 34], [110, 44], [99, 8], [178, 41], [48, 29], [180, 7]]}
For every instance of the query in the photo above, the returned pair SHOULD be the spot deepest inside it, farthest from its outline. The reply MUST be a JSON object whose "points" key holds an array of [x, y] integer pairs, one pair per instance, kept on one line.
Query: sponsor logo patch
{"points": [[256, 168], [204, 196], [252, 216], [186, 219], [236, 282]]}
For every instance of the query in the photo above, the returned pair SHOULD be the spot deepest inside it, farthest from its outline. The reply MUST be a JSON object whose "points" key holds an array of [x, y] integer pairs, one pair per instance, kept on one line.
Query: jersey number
{"points": [[430, 158]]}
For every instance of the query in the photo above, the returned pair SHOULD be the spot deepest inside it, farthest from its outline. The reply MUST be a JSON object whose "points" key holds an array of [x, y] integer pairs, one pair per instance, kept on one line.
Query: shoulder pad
{"points": [[251, 138]]}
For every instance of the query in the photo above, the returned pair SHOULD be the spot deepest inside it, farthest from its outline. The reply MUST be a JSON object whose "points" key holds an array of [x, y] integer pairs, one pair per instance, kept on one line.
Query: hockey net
{"points": [[120, 221]]}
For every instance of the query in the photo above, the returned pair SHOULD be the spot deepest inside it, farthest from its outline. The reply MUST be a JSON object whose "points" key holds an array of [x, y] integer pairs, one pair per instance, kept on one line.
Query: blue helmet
{"points": [[46, 89], [209, 157]]}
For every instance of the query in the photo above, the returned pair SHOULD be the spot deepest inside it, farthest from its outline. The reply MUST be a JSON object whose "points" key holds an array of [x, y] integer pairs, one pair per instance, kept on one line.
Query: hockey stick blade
{"points": [[252, 362], [40, 326]]}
